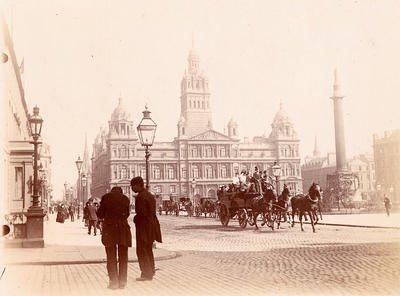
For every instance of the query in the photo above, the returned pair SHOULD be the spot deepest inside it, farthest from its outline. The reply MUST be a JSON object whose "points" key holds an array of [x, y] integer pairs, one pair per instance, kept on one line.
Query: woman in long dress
{"points": [[60, 213]]}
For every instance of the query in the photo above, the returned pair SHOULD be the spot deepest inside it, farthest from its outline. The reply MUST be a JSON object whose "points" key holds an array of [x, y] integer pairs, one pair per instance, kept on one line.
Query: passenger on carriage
{"points": [[236, 182], [256, 180]]}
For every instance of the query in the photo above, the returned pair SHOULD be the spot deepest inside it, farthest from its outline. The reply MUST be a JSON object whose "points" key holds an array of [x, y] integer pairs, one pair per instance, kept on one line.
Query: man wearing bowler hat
{"points": [[147, 229], [116, 235]]}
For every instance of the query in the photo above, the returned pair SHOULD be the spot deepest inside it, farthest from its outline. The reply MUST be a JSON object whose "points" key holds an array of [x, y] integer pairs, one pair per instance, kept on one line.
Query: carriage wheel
{"points": [[224, 217], [242, 217], [250, 218]]}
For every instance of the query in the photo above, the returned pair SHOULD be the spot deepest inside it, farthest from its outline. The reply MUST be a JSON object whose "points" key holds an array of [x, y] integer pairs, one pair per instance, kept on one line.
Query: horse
{"points": [[261, 205], [280, 207], [306, 203]]}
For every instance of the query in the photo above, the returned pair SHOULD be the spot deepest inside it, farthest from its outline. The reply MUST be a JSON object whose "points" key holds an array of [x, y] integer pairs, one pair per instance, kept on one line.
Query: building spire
{"points": [[336, 86], [316, 152]]}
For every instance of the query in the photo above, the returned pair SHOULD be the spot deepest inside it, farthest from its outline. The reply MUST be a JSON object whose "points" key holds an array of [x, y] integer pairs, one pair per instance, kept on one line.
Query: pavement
{"points": [[69, 243]]}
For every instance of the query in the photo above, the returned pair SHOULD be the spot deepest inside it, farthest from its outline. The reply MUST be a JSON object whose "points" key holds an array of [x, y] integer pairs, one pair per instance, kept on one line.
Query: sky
{"points": [[80, 56]]}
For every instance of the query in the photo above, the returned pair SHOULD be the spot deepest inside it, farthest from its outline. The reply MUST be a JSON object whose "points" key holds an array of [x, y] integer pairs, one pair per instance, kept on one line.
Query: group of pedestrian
{"points": [[64, 212], [90, 217], [116, 235]]}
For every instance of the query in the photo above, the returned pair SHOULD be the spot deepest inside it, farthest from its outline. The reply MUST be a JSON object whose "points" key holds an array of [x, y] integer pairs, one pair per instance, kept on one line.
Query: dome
{"points": [[232, 122], [120, 113], [281, 115]]}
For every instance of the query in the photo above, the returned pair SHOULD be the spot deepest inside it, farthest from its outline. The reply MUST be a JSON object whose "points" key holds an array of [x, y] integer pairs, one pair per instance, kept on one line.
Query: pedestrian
{"points": [[86, 214], [92, 216], [116, 235], [147, 229], [388, 205], [71, 210], [60, 213]]}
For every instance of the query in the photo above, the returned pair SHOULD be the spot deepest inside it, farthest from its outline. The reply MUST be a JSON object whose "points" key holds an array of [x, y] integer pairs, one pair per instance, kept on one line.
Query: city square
{"points": [[167, 148]]}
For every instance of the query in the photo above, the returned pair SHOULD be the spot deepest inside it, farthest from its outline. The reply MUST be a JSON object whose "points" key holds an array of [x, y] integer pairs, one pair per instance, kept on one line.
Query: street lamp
{"points": [[84, 182], [35, 214], [193, 187], [66, 190], [35, 122], [78, 163], [147, 130], [276, 171]]}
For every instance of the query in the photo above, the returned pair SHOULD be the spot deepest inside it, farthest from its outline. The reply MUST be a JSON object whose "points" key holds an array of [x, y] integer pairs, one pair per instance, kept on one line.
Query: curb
{"points": [[98, 261], [352, 225]]}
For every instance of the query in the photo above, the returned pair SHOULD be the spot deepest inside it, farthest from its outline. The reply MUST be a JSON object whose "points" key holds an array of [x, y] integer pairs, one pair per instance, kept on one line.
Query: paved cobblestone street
{"points": [[231, 261]]}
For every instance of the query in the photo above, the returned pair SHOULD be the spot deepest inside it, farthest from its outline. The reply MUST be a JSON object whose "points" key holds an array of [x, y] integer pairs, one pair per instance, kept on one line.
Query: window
{"points": [[222, 152], [223, 171], [171, 173], [115, 153], [115, 175], [195, 172], [143, 172], [184, 173], [157, 173], [208, 152], [194, 152], [184, 189], [172, 189], [123, 173], [158, 189], [190, 104], [209, 172], [18, 183], [183, 131]]}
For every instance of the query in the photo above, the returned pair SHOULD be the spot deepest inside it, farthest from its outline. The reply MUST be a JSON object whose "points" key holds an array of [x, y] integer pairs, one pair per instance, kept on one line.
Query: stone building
{"points": [[17, 151], [387, 163], [199, 159]]}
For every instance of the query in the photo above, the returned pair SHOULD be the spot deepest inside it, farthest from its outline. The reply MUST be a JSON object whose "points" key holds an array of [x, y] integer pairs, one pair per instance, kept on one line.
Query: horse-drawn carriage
{"points": [[169, 207], [205, 206], [247, 206]]}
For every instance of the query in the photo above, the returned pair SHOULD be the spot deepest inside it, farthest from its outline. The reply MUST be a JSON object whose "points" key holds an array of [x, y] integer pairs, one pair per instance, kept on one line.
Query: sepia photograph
{"points": [[199, 147]]}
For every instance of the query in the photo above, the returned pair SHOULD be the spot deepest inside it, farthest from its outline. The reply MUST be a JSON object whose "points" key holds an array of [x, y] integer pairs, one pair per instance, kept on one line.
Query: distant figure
{"points": [[147, 229], [86, 214], [92, 218], [71, 210], [60, 213], [116, 236], [388, 205]]}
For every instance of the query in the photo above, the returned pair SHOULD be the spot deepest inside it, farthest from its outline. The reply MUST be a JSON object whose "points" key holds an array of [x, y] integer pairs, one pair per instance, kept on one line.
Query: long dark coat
{"points": [[147, 225], [114, 209]]}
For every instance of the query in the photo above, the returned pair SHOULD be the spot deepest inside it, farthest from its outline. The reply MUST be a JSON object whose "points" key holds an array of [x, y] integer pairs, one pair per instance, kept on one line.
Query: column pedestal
{"points": [[34, 228]]}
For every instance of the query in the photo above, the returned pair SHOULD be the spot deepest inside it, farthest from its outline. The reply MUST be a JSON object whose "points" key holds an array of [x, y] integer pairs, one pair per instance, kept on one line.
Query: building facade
{"points": [[387, 164], [17, 150], [199, 159]]}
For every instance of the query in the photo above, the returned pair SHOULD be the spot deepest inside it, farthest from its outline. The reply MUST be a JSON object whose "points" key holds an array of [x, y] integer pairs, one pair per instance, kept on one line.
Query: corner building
{"points": [[199, 159]]}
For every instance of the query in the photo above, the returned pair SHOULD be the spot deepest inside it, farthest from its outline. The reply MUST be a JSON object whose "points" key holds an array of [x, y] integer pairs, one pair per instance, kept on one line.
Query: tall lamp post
{"points": [[84, 183], [147, 130], [35, 214], [78, 163], [193, 187], [276, 171]]}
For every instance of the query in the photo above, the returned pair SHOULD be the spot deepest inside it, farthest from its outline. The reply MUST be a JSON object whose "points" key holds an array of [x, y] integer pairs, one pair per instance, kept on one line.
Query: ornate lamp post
{"points": [[147, 130], [193, 187], [84, 182], [276, 171], [35, 214], [78, 163]]}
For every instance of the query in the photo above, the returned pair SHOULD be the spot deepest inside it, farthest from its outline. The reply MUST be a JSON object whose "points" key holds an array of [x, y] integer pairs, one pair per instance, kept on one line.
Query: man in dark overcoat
{"points": [[147, 228], [116, 235], [92, 217]]}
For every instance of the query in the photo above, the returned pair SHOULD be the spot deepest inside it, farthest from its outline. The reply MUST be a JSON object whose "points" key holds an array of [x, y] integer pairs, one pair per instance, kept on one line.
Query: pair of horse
{"points": [[301, 204]]}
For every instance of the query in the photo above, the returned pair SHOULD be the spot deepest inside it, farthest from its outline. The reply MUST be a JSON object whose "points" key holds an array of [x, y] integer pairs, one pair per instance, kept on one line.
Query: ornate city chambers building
{"points": [[199, 159]]}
